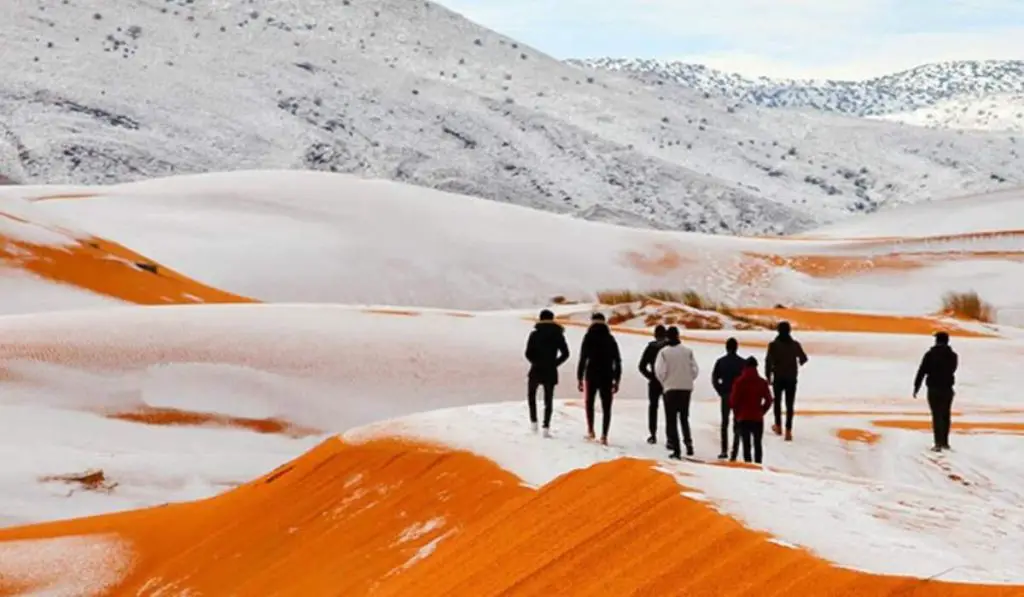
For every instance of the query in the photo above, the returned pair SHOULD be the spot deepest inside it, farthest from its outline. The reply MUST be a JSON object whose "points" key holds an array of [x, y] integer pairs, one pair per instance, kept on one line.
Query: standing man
{"points": [[676, 369], [601, 367], [546, 350], [653, 385], [939, 367], [727, 369], [781, 367], [751, 399]]}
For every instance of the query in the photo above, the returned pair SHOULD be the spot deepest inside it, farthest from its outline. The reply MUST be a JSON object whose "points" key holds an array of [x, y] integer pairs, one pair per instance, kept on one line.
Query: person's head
{"points": [[784, 329], [751, 363], [672, 334], [546, 315], [659, 332], [732, 345], [942, 339], [597, 317]]}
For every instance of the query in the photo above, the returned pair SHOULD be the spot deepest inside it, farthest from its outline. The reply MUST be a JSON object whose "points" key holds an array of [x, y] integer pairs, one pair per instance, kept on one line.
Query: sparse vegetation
{"points": [[967, 305], [690, 298]]}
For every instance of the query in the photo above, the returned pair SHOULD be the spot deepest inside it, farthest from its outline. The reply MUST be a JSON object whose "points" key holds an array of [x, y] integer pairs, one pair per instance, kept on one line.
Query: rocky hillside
{"points": [[899, 92], [413, 92]]}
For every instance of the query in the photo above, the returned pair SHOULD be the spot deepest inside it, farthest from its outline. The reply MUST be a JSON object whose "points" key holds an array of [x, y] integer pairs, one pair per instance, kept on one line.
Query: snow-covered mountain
{"points": [[416, 93], [904, 91], [1000, 112]]}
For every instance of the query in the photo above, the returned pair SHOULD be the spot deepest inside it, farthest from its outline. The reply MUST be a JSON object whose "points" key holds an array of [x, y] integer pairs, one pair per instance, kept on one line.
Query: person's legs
{"points": [[790, 389], [590, 395], [549, 404], [948, 418], [744, 429], [653, 397], [606, 410], [531, 399], [684, 417], [757, 435], [941, 403], [671, 420], [777, 387], [935, 406], [735, 440], [725, 410]]}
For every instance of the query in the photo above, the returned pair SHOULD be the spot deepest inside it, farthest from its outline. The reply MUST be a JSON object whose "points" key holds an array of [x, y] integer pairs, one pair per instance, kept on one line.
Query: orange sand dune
{"points": [[963, 427], [877, 240], [837, 266], [858, 435], [833, 321], [110, 269], [394, 519], [174, 417]]}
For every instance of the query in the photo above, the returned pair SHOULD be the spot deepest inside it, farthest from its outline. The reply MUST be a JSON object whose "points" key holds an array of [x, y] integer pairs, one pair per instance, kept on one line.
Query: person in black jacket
{"points": [[782, 365], [939, 367], [601, 367], [653, 385], [546, 350], [727, 370]]}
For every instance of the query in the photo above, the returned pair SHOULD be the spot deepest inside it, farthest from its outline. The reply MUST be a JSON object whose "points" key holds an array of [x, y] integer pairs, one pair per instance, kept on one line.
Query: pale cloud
{"points": [[803, 38]]}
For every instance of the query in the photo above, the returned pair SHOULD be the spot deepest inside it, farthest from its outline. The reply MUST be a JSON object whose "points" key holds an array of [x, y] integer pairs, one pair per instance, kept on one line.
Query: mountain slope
{"points": [[416, 93], [903, 91], [1000, 112]]}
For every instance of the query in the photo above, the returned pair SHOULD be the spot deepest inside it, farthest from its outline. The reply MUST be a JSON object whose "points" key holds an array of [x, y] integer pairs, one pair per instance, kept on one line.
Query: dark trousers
{"points": [[787, 388], [751, 433], [604, 389], [940, 401], [726, 411], [653, 398], [549, 399], [677, 409]]}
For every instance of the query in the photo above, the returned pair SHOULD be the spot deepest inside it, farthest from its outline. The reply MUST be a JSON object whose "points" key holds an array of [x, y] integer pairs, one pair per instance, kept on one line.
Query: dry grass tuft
{"points": [[689, 298], [968, 305], [620, 316]]}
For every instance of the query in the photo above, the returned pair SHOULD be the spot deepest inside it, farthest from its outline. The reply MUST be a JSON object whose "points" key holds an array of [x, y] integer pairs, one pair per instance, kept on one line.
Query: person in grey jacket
{"points": [[676, 369]]}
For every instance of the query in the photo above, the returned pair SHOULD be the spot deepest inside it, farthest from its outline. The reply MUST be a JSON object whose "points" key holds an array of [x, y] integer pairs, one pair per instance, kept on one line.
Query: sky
{"points": [[840, 39]]}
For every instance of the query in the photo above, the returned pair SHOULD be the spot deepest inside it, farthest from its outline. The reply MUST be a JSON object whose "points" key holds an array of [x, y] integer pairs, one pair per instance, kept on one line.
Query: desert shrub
{"points": [[618, 297], [621, 315], [967, 305], [690, 298]]}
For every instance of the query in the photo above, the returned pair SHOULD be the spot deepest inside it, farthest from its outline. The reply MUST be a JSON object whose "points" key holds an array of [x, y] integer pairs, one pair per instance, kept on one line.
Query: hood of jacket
{"points": [[549, 327]]}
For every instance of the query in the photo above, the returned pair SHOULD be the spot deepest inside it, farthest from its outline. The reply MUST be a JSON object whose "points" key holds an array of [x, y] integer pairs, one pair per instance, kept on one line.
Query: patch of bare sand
{"points": [[391, 518]]}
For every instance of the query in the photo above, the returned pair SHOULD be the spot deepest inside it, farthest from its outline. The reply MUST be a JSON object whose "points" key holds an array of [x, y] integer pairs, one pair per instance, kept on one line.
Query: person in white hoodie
{"points": [[676, 369]]}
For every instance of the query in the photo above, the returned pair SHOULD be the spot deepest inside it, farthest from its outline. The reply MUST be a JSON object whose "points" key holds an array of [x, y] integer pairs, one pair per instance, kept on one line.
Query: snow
{"points": [[971, 214], [897, 504], [25, 293], [410, 91], [284, 236], [996, 112], [22, 221], [399, 360], [95, 563]]}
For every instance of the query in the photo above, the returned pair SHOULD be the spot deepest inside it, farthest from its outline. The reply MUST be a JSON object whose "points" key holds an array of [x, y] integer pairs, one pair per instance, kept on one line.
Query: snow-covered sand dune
{"points": [[302, 237], [117, 405], [72, 376]]}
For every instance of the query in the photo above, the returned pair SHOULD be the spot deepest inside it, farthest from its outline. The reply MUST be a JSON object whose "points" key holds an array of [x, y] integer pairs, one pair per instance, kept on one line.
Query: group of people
{"points": [[671, 371]]}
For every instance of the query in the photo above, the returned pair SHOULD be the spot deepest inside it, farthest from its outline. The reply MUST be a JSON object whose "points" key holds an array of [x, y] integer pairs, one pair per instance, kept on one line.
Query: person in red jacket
{"points": [[751, 399]]}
